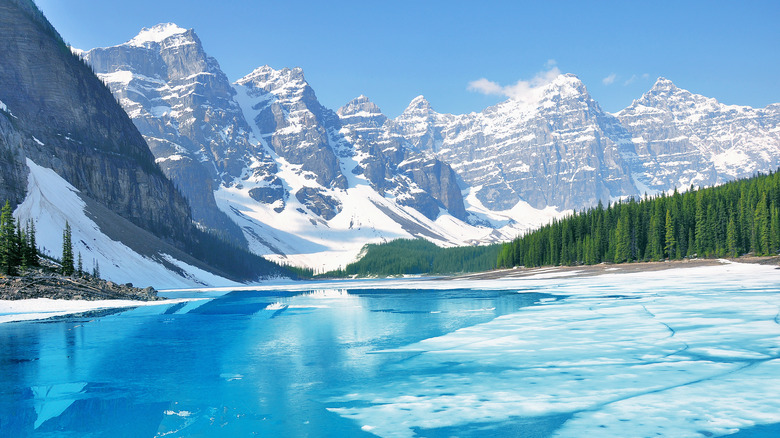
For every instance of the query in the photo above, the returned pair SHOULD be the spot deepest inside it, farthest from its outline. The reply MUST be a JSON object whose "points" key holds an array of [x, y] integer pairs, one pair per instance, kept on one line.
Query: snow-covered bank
{"points": [[43, 308], [51, 201]]}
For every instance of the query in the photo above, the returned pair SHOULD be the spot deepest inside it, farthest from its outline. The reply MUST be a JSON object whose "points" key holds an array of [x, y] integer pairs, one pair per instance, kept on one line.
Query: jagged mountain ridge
{"points": [[682, 139], [297, 162], [561, 150], [299, 165], [566, 151]]}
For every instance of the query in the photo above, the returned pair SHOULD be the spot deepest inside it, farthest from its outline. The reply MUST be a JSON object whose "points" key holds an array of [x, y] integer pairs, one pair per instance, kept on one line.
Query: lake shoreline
{"points": [[612, 268], [46, 283]]}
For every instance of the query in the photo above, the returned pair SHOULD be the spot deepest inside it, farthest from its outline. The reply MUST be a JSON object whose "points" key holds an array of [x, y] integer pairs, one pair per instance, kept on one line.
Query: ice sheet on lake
{"points": [[688, 352]]}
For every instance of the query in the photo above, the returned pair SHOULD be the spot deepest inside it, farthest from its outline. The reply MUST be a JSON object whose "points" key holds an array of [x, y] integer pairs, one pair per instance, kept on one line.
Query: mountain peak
{"points": [[563, 86], [663, 85], [418, 103], [360, 105], [266, 73], [156, 34]]}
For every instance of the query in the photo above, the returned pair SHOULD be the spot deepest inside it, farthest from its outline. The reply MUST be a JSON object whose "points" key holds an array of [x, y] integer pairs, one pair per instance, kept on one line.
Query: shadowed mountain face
{"points": [[60, 115], [56, 114]]}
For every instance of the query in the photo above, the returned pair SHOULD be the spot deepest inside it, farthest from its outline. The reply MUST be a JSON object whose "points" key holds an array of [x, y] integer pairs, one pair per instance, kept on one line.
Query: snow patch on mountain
{"points": [[51, 202], [156, 34]]}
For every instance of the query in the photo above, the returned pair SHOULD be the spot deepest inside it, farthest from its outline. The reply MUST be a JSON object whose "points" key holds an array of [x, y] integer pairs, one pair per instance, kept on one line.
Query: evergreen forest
{"points": [[418, 256], [733, 219]]}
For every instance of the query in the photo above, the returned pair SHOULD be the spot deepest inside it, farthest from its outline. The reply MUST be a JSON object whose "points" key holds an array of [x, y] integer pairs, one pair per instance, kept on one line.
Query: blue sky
{"points": [[393, 51]]}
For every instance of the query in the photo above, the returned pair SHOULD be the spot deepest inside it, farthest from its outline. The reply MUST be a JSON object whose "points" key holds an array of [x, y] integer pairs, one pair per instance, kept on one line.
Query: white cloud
{"points": [[609, 79], [485, 86], [522, 91]]}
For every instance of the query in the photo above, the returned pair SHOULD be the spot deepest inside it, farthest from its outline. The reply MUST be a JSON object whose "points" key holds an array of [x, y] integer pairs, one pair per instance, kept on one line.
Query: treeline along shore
{"points": [[734, 219]]}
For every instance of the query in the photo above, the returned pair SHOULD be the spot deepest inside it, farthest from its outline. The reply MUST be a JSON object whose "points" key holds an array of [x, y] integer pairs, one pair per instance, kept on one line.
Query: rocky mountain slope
{"points": [[275, 161], [563, 150], [560, 150], [681, 139], [70, 152]]}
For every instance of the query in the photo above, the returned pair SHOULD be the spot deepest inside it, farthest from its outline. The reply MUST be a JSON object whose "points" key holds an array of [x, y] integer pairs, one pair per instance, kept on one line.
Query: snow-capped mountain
{"points": [[264, 162], [559, 150], [563, 150], [183, 105], [296, 179], [682, 139]]}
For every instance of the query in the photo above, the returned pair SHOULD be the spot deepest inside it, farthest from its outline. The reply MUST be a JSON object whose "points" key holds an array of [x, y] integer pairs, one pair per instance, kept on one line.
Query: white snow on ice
{"points": [[672, 353]]}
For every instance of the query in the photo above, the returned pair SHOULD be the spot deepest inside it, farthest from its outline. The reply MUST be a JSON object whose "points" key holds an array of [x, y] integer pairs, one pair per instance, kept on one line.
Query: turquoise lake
{"points": [[694, 353]]}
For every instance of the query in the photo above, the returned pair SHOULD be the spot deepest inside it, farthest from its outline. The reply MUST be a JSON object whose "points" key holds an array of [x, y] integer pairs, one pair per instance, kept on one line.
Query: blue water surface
{"points": [[249, 363]]}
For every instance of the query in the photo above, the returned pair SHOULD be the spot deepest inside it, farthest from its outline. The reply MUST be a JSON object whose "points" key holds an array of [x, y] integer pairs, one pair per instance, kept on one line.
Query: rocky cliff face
{"points": [[391, 165], [266, 157], [183, 105], [563, 150], [560, 150], [64, 118]]}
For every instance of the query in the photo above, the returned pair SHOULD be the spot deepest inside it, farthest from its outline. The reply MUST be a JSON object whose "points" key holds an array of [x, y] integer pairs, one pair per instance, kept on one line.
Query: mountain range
{"points": [[186, 158], [262, 160]]}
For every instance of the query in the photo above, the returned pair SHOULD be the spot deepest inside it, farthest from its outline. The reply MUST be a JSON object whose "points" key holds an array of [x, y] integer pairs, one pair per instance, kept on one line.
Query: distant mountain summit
{"points": [[681, 139], [557, 148]]}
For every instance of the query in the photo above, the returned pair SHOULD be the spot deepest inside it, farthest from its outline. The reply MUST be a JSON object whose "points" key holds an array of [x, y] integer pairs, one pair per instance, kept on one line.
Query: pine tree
{"points": [[761, 226], [67, 251], [623, 243], [21, 247], [731, 239], [670, 245], [7, 240], [700, 225], [80, 266], [32, 249], [774, 230]]}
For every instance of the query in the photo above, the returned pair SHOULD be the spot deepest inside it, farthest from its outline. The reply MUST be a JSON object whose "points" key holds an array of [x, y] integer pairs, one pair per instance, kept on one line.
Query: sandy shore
{"points": [[611, 268]]}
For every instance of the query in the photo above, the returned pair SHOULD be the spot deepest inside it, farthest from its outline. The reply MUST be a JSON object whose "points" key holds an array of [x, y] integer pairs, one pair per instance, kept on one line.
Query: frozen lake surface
{"points": [[683, 353]]}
